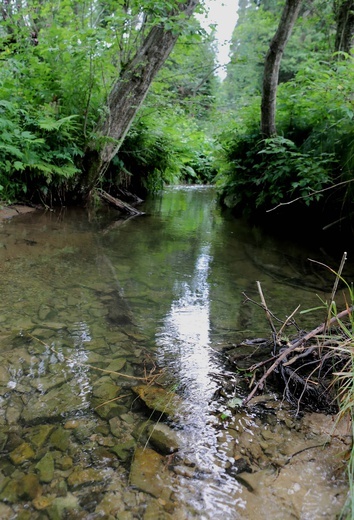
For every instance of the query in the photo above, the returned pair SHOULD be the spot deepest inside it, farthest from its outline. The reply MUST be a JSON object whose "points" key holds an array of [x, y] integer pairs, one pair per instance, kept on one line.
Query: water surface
{"points": [[90, 303]]}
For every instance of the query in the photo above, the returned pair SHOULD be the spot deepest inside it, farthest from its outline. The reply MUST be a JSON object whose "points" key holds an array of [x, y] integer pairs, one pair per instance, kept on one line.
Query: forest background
{"points": [[107, 97], [112, 96]]}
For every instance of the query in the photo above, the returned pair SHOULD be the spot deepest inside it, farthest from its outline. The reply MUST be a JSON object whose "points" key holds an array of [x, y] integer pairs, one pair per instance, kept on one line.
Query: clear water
{"points": [[161, 292]]}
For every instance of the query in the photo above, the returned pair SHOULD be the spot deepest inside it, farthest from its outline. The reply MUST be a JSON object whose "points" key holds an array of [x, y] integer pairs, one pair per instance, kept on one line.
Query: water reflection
{"points": [[185, 347], [165, 289], [184, 338]]}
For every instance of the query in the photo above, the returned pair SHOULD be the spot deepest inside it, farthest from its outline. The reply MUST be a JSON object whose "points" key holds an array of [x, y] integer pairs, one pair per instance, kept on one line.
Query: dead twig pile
{"points": [[305, 366]]}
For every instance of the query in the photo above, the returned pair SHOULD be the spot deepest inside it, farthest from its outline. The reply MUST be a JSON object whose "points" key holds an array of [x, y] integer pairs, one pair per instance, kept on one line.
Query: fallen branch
{"points": [[315, 192], [295, 345], [265, 307], [124, 207]]}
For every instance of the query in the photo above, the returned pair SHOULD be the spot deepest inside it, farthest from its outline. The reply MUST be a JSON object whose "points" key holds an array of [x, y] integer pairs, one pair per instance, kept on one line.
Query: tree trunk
{"points": [[272, 66], [344, 13], [129, 91]]}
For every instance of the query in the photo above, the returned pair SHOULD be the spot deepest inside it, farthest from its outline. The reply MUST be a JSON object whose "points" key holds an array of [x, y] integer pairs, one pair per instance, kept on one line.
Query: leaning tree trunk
{"points": [[129, 91], [344, 13], [272, 65]]}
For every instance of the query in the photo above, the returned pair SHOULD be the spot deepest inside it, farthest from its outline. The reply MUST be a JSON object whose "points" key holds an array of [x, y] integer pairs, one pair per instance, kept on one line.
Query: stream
{"points": [[117, 397]]}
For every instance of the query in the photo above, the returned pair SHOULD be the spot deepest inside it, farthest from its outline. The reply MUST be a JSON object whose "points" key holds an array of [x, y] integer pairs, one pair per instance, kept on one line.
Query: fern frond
{"points": [[11, 150], [50, 124]]}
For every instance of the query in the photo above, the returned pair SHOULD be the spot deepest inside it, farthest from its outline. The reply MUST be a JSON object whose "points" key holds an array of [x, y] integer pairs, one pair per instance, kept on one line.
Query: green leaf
{"points": [[12, 150], [18, 165], [51, 124]]}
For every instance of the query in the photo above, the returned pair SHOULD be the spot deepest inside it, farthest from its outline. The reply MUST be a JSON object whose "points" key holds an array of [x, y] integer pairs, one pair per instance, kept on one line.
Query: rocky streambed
{"points": [[79, 442], [112, 408]]}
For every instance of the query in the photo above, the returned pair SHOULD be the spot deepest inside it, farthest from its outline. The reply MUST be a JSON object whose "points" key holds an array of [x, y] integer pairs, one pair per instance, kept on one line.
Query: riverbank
{"points": [[13, 210]]}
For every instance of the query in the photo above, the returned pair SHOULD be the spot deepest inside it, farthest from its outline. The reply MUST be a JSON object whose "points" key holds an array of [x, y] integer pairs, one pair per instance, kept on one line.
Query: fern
{"points": [[51, 124], [9, 149]]}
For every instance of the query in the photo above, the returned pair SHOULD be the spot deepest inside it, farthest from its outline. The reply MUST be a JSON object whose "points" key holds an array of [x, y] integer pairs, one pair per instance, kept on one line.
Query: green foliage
{"points": [[250, 42], [59, 61], [318, 102], [314, 149], [164, 147], [168, 142], [187, 80], [36, 151], [316, 110], [148, 150], [200, 167], [50, 98], [313, 36], [261, 173], [286, 172]]}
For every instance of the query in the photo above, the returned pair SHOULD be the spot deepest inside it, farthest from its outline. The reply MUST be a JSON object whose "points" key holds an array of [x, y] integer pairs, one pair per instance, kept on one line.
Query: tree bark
{"points": [[272, 65], [344, 13], [129, 92]]}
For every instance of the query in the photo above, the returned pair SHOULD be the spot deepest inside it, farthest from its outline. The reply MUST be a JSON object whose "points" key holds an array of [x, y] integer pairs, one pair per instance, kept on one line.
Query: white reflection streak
{"points": [[78, 359], [185, 334], [185, 350]]}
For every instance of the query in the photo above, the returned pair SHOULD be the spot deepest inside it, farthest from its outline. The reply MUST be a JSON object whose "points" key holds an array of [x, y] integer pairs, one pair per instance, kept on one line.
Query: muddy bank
{"points": [[7, 212]]}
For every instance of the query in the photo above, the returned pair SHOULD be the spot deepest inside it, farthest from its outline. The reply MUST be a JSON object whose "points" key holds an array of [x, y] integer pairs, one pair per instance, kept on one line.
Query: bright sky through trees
{"points": [[224, 15]]}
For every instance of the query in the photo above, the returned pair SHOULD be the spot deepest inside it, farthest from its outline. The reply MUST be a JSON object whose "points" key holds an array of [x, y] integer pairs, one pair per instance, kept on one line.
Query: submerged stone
{"points": [[13, 410], [110, 410], [7, 470], [3, 481], [21, 454], [4, 376], [158, 399], [116, 365], [39, 434], [10, 493], [148, 473], [56, 403], [29, 487], [83, 477], [14, 439], [124, 450], [61, 506], [103, 440], [83, 431], [106, 391], [115, 425], [46, 383], [155, 511], [101, 457], [60, 439], [3, 440], [65, 462], [72, 424], [93, 358], [41, 502], [184, 471], [45, 312], [45, 468], [111, 506], [163, 438], [6, 513], [40, 333], [128, 418]]}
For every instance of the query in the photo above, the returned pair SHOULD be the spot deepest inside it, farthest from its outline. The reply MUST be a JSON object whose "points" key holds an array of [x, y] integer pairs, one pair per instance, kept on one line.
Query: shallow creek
{"points": [[117, 401]]}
